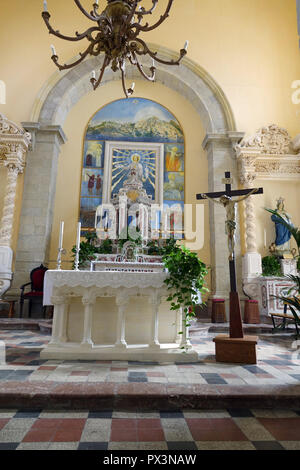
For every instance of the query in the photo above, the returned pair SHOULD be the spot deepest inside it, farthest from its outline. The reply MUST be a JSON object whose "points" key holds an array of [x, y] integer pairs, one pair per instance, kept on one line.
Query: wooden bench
{"points": [[284, 317]]}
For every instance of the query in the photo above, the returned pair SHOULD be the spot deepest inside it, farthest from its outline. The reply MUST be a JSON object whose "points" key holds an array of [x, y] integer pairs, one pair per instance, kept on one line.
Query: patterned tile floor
{"points": [[180, 430], [245, 429], [278, 364]]}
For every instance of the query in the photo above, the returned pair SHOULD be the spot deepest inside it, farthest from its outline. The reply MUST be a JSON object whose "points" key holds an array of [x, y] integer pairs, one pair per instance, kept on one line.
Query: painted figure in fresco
{"points": [[173, 189], [173, 160], [91, 183], [230, 222], [89, 160], [135, 170], [283, 235], [98, 184]]}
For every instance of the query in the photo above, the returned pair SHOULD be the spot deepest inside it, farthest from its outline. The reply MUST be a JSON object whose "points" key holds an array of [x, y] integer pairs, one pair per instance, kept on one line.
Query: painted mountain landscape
{"points": [[135, 119]]}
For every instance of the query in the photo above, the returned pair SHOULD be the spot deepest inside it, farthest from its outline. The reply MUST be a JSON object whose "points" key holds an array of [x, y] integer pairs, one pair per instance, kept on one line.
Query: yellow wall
{"points": [[250, 47]]}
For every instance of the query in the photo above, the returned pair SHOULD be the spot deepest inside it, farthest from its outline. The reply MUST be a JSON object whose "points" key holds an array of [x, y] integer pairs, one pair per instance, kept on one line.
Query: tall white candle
{"points": [[53, 50], [186, 45], [61, 236], [78, 235], [45, 5], [93, 74]]}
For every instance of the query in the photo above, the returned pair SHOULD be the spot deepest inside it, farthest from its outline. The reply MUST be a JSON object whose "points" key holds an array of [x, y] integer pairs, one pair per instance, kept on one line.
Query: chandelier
{"points": [[115, 35]]}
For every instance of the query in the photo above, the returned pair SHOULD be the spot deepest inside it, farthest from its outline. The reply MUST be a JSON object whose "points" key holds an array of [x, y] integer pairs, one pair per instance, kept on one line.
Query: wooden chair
{"points": [[36, 289], [284, 317]]}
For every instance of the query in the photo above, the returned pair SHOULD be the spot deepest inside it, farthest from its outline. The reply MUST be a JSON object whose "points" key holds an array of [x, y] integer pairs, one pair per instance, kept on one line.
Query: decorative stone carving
{"points": [[272, 140]]}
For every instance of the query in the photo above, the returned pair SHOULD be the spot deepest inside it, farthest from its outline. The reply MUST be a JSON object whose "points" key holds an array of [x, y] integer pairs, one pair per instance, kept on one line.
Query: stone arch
{"points": [[63, 90]]}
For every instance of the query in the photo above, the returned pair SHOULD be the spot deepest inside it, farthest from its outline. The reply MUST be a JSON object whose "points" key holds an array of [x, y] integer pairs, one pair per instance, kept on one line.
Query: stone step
{"points": [[32, 324]]}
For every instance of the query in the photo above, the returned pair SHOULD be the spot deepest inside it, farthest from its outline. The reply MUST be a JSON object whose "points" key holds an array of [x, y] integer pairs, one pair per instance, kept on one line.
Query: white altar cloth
{"points": [[114, 316]]}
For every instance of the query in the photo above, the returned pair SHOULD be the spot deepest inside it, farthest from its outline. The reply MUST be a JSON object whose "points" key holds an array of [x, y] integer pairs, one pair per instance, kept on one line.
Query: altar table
{"points": [[103, 315]]}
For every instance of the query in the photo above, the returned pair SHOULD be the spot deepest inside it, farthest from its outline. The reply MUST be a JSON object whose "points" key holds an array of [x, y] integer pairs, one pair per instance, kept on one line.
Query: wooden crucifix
{"points": [[224, 198]]}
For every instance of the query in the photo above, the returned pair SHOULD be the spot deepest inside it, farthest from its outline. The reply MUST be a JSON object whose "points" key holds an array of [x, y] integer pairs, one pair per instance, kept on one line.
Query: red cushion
{"points": [[218, 300], [34, 294], [252, 301], [38, 279]]}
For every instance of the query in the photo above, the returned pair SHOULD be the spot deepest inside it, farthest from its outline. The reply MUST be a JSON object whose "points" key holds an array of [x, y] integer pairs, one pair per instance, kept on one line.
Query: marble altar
{"points": [[108, 315]]}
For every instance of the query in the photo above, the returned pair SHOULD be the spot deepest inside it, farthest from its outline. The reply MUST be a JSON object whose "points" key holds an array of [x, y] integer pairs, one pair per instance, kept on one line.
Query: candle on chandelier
{"points": [[186, 45], [94, 74], [45, 5], [153, 63], [97, 2], [61, 235], [53, 50], [78, 236], [132, 86]]}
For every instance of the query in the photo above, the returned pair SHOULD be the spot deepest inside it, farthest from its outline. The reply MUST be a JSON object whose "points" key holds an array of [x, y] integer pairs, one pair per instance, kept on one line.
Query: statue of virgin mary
{"points": [[283, 235]]}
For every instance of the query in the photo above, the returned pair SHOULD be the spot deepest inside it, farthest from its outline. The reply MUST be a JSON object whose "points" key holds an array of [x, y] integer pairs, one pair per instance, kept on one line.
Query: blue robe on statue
{"points": [[283, 235]]}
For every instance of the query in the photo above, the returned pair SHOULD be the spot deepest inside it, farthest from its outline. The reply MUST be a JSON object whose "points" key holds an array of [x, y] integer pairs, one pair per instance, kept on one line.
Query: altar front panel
{"points": [[138, 317]]}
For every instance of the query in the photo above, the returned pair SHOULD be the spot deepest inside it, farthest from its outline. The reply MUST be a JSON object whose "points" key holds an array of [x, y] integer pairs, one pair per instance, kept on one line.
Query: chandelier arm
{"points": [[141, 70], [94, 13], [146, 50], [69, 66], [87, 34], [88, 15], [128, 92], [132, 13], [143, 12], [106, 62], [147, 28]]}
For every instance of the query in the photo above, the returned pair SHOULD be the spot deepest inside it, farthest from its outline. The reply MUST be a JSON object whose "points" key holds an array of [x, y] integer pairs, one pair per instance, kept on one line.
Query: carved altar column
{"points": [[121, 301], [59, 326], [88, 302], [154, 301]]}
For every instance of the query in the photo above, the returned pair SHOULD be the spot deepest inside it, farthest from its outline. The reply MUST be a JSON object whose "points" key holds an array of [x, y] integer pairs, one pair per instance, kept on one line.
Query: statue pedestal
{"points": [[236, 350], [288, 266]]}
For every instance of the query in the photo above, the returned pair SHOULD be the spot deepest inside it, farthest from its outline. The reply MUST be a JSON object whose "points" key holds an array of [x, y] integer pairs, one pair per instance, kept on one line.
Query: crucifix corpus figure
{"points": [[229, 348], [231, 213]]}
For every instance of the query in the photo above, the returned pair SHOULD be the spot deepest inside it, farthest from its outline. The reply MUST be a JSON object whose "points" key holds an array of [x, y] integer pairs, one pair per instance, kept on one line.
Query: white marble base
{"points": [[6, 257], [133, 352], [114, 316]]}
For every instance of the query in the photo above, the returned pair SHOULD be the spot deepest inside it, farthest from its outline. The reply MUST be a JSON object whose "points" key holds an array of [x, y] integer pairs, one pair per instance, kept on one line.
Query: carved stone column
{"points": [[14, 143], [7, 219]]}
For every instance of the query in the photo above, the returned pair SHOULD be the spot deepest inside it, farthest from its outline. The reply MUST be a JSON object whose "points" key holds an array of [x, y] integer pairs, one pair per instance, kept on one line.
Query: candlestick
{"points": [[78, 235], [61, 235], [60, 246], [77, 246], [53, 50]]}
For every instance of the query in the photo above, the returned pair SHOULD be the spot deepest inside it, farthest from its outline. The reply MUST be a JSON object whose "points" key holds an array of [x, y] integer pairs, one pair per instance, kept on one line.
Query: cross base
{"points": [[236, 350]]}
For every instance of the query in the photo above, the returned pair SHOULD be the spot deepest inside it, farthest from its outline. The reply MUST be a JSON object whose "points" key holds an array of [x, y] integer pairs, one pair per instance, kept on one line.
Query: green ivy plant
{"points": [[271, 266], [88, 249], [186, 279]]}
